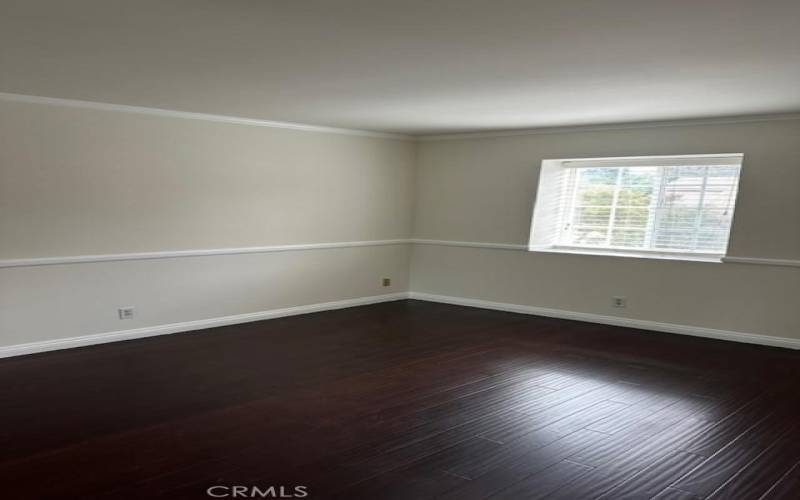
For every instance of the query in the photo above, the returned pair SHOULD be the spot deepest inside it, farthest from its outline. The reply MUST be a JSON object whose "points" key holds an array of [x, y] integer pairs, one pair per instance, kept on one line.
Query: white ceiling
{"points": [[412, 66]]}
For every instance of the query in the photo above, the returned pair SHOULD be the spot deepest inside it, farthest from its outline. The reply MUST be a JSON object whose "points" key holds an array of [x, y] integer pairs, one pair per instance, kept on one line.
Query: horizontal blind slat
{"points": [[684, 206]]}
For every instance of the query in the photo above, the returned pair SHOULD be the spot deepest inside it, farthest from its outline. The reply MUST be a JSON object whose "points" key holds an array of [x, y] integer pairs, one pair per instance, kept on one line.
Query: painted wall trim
{"points": [[611, 126], [236, 120], [84, 259], [151, 331], [519, 246], [471, 244], [256, 122], [765, 262], [695, 331]]}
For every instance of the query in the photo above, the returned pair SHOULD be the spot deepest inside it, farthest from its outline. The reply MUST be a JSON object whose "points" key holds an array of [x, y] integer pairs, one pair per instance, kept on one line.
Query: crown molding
{"points": [[611, 126], [255, 122], [188, 115]]}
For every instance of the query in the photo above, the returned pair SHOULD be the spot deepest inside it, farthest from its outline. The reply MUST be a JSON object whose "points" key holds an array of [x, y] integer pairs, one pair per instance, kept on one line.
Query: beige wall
{"points": [[51, 302], [77, 181], [80, 181], [482, 190]]}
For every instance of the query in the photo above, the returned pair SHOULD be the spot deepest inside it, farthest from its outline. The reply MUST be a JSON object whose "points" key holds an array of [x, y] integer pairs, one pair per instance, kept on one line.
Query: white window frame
{"points": [[545, 221]]}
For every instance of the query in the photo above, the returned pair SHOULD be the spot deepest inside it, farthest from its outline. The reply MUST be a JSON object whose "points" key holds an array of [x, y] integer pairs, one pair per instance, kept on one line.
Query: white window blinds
{"points": [[655, 204]]}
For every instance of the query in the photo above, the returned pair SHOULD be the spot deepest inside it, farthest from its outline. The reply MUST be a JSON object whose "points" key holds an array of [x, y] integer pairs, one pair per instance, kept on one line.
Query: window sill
{"points": [[631, 254]]}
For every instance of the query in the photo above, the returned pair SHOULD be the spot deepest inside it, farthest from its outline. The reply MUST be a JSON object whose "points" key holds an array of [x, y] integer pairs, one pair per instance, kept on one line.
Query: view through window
{"points": [[682, 206]]}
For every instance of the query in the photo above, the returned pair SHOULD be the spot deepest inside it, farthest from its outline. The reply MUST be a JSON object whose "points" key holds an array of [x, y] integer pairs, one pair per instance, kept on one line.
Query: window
{"points": [[679, 205]]}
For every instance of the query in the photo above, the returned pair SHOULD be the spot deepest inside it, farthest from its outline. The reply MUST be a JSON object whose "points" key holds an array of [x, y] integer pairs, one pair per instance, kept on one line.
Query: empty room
{"points": [[418, 249]]}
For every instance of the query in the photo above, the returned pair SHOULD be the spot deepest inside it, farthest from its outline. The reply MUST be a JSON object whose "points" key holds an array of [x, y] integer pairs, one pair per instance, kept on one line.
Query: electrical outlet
{"points": [[125, 312], [387, 281], [619, 301]]}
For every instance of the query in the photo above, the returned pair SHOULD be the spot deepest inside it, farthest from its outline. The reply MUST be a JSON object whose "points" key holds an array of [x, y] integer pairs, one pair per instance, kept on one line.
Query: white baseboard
{"points": [[151, 331], [696, 331]]}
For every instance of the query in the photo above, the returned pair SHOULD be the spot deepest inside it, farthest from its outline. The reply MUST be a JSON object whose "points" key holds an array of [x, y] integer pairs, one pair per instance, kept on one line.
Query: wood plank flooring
{"points": [[405, 400]]}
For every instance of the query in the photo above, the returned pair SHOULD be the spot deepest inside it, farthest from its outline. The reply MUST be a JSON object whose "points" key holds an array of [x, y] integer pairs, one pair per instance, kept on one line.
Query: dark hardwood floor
{"points": [[405, 400]]}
